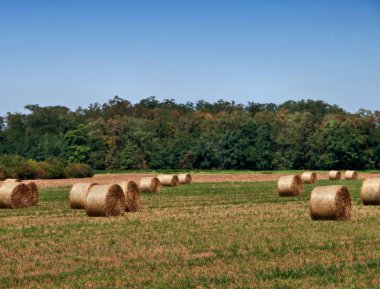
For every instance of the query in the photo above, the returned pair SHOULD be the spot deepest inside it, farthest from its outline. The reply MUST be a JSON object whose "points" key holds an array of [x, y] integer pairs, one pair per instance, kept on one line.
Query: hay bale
{"points": [[330, 203], [132, 196], [168, 180], [351, 175], [289, 186], [370, 191], [334, 175], [105, 201], [185, 179], [32, 186], [309, 178], [150, 185], [15, 195], [12, 181], [34, 191], [78, 194]]}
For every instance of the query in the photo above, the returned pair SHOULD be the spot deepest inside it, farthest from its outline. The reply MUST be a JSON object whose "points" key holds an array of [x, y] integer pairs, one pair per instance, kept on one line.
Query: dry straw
{"points": [[351, 175], [34, 191], [32, 186], [334, 175], [168, 180], [12, 181], [330, 203], [309, 177], [290, 186], [370, 191], [185, 179], [132, 196], [105, 201], [15, 195], [78, 194], [150, 185]]}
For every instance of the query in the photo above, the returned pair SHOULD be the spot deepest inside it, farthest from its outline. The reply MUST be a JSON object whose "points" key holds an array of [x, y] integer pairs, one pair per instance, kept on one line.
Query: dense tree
{"points": [[338, 145], [156, 134], [78, 149]]}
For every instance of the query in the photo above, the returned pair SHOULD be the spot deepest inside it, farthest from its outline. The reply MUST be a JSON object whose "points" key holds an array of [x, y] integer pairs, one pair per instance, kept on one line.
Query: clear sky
{"points": [[78, 52]]}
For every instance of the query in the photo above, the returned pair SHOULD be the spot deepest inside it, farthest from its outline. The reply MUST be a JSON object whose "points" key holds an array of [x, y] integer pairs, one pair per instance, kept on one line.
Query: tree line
{"points": [[154, 134]]}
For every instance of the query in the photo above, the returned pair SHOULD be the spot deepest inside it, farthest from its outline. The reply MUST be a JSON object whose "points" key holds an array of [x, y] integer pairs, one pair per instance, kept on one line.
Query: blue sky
{"points": [[78, 52]]}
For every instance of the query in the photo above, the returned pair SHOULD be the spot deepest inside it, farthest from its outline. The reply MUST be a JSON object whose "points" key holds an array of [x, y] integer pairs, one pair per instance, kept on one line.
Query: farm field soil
{"points": [[197, 178], [204, 235]]}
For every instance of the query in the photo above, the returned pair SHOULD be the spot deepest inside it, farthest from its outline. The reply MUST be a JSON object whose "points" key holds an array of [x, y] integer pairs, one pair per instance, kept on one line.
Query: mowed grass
{"points": [[217, 235]]}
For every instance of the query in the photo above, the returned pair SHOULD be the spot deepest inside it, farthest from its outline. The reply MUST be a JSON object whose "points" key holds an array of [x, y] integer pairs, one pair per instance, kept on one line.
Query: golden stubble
{"points": [[186, 236]]}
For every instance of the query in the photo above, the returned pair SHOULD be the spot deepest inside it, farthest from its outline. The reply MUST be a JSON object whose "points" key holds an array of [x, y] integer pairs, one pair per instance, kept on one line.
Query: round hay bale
{"points": [[78, 194], [330, 203], [289, 186], [12, 181], [351, 175], [185, 179], [34, 191], [15, 195], [105, 201], [150, 185], [334, 175], [168, 180], [132, 196], [370, 191], [309, 178]]}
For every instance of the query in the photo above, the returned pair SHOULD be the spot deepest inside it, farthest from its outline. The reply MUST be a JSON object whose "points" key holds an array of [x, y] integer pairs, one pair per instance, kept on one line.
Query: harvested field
{"points": [[214, 235], [103, 179]]}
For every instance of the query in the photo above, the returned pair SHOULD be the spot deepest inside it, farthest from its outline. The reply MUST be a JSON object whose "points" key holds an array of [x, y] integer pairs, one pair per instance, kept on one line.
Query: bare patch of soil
{"points": [[197, 178]]}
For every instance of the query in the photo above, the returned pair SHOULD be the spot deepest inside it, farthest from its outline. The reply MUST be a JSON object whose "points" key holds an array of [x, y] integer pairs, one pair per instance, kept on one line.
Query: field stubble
{"points": [[109, 178], [215, 235]]}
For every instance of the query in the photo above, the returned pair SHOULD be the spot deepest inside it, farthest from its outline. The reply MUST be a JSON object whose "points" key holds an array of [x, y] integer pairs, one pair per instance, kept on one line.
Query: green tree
{"points": [[337, 146], [129, 156], [78, 145]]}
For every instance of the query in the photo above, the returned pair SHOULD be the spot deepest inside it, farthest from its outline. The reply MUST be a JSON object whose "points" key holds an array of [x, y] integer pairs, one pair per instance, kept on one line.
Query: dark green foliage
{"points": [[203, 154], [156, 134], [78, 149], [234, 148], [3, 172], [129, 156], [340, 146]]}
